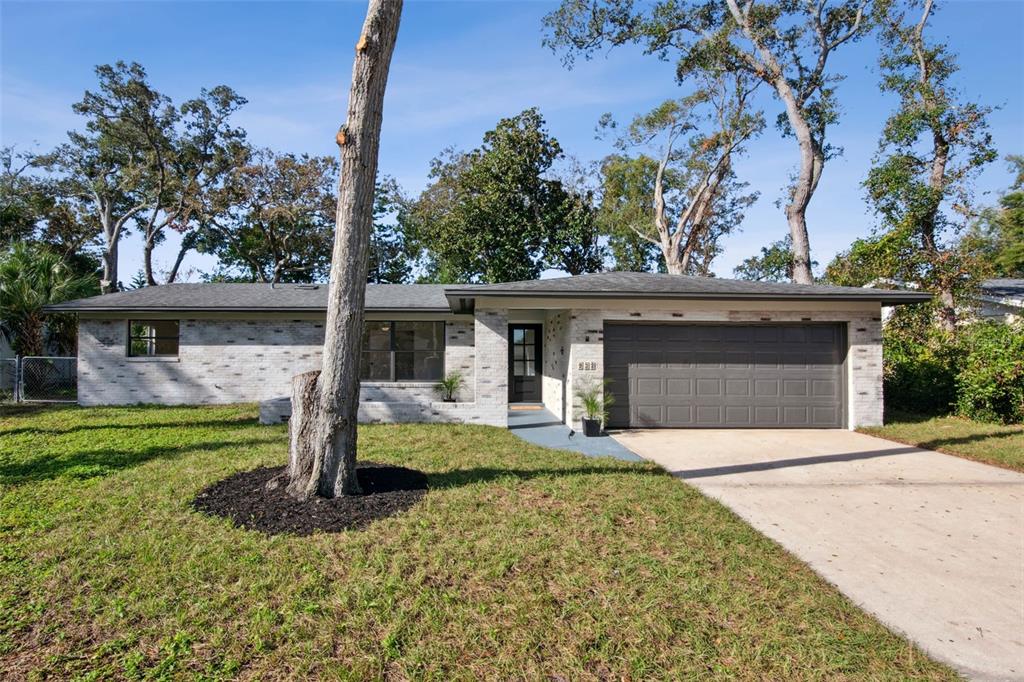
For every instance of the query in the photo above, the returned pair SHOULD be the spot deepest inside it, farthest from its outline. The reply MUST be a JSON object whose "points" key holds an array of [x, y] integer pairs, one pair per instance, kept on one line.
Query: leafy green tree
{"points": [[33, 209], [111, 166], [696, 198], [200, 155], [32, 277], [627, 210], [492, 214], [773, 264], [932, 147], [273, 219], [143, 163], [390, 257], [1001, 229], [787, 45], [573, 242]]}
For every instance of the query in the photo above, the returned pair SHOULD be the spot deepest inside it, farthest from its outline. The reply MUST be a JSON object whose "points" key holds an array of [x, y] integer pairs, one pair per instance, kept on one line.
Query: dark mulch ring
{"points": [[245, 499]]}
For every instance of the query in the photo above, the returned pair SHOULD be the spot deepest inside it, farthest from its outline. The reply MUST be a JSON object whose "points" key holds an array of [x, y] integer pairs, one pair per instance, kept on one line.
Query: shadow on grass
{"points": [[461, 477], [962, 440], [115, 425], [106, 461]]}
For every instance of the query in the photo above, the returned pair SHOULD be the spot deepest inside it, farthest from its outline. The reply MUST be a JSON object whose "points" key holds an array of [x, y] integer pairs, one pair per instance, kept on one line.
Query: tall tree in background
{"points": [[696, 197], [143, 163], [111, 166], [35, 210], [1000, 229], [932, 148], [773, 264], [272, 219], [494, 215], [196, 159], [325, 404], [390, 257], [626, 210], [786, 45]]}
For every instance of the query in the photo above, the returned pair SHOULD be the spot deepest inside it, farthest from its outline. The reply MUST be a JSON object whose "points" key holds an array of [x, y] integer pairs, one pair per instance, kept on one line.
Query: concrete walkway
{"points": [[541, 427], [932, 545]]}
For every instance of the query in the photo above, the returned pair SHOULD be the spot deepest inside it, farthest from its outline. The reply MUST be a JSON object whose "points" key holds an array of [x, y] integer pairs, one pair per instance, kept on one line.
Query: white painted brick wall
{"points": [[556, 360], [227, 361], [492, 365]]}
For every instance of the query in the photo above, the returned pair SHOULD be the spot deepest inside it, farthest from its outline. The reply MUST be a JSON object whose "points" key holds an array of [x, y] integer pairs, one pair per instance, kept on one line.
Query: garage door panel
{"points": [[708, 386], [739, 415], [709, 414], [648, 386], [737, 387], [791, 388], [725, 375], [679, 387], [679, 415]]}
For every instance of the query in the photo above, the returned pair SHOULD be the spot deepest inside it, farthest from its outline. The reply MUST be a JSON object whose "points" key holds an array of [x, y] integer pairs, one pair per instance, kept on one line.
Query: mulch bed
{"points": [[245, 499]]}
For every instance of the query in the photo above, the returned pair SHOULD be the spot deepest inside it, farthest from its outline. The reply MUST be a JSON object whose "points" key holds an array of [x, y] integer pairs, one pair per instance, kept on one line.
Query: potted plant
{"points": [[450, 385], [595, 400]]}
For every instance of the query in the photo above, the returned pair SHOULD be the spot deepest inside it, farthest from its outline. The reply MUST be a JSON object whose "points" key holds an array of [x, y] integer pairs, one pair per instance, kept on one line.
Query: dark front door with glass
{"points": [[524, 363]]}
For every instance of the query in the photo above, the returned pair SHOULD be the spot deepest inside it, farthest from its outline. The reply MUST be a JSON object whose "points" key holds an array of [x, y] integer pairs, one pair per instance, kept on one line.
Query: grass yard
{"points": [[519, 563], [989, 443]]}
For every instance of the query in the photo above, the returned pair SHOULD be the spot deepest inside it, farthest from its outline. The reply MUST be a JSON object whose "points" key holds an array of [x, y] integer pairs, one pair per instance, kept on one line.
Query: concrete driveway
{"points": [[932, 545]]}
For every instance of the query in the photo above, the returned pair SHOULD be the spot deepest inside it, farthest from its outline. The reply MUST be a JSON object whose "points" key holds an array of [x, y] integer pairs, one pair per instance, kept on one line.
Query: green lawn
{"points": [[519, 563], [989, 443]]}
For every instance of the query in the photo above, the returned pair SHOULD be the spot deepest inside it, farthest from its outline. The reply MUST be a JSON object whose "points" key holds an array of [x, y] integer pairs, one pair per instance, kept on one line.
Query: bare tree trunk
{"points": [[323, 443], [803, 188], [108, 284], [147, 262]]}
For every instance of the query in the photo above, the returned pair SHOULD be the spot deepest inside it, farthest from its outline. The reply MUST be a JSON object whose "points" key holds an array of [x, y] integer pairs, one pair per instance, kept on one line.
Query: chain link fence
{"points": [[37, 379], [8, 380]]}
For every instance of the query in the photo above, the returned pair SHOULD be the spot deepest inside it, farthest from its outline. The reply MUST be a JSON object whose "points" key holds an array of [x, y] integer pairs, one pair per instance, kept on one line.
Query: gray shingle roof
{"points": [[1003, 288], [442, 298], [257, 297], [653, 285]]}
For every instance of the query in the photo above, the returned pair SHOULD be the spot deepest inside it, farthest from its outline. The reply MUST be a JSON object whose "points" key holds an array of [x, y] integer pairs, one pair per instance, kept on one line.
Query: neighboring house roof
{"points": [[1005, 291], [461, 297], [256, 297], [646, 285]]}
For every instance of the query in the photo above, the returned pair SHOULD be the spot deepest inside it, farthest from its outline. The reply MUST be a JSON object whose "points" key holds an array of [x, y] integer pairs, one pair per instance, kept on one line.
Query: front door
{"points": [[524, 363]]}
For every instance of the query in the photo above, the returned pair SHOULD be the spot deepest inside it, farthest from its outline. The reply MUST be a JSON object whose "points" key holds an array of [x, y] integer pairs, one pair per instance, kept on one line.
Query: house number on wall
{"points": [[587, 366]]}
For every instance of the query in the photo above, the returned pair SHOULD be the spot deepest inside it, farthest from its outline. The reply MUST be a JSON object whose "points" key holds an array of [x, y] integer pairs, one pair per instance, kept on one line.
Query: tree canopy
{"points": [[494, 214]]}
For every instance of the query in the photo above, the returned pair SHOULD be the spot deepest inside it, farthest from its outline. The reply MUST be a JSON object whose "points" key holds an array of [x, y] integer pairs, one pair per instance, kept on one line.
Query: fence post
{"points": [[18, 378]]}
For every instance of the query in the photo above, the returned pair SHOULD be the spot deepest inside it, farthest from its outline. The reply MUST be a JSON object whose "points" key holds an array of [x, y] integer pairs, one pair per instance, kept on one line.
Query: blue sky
{"points": [[458, 68]]}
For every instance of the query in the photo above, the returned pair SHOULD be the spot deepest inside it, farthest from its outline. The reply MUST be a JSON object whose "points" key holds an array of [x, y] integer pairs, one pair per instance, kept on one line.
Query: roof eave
{"points": [[456, 297], [59, 308]]}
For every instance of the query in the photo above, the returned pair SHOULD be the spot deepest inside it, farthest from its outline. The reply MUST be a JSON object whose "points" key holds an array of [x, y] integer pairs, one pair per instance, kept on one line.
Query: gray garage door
{"points": [[742, 375]]}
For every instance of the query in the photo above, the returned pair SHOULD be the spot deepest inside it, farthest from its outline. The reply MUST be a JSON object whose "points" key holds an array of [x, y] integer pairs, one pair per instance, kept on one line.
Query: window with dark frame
{"points": [[152, 338], [402, 351]]}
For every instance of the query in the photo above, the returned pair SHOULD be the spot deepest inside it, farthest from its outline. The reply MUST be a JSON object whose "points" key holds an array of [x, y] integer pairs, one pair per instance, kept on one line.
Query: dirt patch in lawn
{"points": [[246, 499]]}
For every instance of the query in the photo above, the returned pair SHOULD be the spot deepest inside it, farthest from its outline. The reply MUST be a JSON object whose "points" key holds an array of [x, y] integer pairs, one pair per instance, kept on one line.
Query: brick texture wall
{"points": [[226, 361]]}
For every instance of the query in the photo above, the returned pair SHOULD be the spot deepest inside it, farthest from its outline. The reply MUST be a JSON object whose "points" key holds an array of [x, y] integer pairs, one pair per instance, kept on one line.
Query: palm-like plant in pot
{"points": [[450, 385], [595, 400]]}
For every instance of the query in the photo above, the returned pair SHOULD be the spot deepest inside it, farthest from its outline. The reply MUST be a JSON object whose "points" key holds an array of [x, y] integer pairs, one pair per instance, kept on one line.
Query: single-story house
{"points": [[676, 351], [1001, 299]]}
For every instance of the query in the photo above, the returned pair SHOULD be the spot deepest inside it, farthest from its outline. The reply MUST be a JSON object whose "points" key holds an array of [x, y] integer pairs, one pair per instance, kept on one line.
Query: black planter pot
{"points": [[591, 427]]}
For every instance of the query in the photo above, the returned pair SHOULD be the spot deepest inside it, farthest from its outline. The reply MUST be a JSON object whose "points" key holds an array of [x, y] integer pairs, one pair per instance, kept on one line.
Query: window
{"points": [[402, 351], [153, 338]]}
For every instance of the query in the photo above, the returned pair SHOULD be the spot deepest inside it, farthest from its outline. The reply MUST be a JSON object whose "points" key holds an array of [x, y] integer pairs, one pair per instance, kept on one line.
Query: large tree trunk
{"points": [[323, 442], [803, 188], [147, 261], [108, 284]]}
